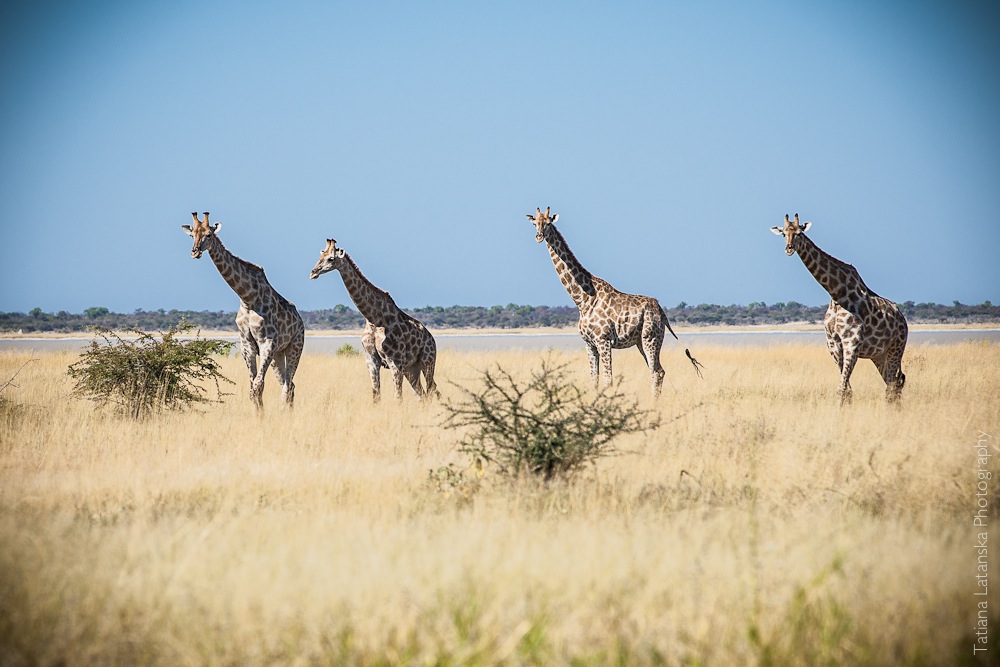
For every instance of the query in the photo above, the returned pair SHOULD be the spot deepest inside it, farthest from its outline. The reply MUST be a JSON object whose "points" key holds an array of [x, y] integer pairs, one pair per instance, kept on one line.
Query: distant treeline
{"points": [[510, 316]]}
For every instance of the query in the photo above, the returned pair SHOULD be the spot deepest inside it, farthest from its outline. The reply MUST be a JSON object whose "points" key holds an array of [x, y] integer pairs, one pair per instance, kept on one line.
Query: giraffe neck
{"points": [[246, 279], [577, 280], [373, 303], [841, 280]]}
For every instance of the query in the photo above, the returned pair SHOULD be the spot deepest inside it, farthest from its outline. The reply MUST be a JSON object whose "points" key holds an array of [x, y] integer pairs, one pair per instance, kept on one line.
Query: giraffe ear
{"points": [[187, 230], [806, 226], [777, 230], [554, 218], [216, 227], [340, 252], [530, 217]]}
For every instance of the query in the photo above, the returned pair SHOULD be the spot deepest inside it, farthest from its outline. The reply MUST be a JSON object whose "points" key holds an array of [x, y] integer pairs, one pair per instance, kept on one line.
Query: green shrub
{"points": [[347, 350], [148, 374], [546, 427]]}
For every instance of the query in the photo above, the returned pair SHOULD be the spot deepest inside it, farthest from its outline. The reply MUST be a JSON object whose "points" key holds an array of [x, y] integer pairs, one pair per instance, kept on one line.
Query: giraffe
{"points": [[391, 338], [269, 324], [859, 323], [608, 318]]}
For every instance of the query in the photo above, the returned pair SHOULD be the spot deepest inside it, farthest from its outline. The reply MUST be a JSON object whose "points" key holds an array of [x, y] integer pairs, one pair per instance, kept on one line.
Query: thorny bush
{"points": [[148, 374], [546, 426]]}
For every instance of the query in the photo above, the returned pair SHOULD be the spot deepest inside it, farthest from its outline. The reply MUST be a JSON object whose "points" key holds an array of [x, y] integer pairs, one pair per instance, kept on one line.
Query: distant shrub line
{"points": [[511, 316]]}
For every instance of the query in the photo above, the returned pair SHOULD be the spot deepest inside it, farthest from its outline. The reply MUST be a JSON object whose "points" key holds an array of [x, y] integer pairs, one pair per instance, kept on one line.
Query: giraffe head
{"points": [[791, 232], [202, 232], [329, 259], [542, 221]]}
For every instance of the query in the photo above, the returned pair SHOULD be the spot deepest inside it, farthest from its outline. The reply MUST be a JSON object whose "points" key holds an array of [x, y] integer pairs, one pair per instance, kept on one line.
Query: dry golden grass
{"points": [[761, 524]]}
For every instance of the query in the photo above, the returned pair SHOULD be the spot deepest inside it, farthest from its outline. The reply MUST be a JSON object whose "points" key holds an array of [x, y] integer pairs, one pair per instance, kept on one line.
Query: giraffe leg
{"points": [[289, 364], [428, 371], [373, 360], [374, 364], [649, 347], [649, 350], [604, 351], [892, 374], [280, 364], [847, 367], [397, 380], [412, 375], [595, 359], [248, 348], [836, 348], [257, 386]]}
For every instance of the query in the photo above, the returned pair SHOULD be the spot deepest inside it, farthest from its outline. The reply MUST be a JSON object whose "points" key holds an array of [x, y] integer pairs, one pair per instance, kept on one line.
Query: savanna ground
{"points": [[760, 524]]}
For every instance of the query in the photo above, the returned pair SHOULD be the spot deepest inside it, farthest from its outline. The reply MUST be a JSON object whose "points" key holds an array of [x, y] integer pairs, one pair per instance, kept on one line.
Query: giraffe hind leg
{"points": [[412, 375], [280, 366], [650, 351], [890, 368], [286, 363], [428, 371]]}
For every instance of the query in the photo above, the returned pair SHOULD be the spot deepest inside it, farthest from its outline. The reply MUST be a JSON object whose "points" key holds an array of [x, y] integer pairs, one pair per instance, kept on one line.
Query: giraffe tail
{"points": [[694, 362], [666, 320]]}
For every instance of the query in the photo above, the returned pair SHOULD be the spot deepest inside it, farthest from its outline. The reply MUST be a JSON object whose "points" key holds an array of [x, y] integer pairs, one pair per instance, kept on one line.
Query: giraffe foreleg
{"points": [[257, 386], [847, 367], [374, 363], [836, 349], [373, 359], [397, 379], [595, 359], [248, 350], [604, 351]]}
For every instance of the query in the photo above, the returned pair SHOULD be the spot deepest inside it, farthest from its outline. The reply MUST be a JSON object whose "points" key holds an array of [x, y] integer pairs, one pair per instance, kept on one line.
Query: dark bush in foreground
{"points": [[149, 373], [546, 426]]}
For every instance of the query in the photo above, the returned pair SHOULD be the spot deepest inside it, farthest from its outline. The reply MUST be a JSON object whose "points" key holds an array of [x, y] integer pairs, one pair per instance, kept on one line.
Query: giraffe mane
{"points": [[849, 268], [364, 278]]}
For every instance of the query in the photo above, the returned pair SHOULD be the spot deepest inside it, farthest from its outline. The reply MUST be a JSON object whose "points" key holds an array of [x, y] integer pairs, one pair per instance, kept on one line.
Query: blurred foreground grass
{"points": [[761, 524]]}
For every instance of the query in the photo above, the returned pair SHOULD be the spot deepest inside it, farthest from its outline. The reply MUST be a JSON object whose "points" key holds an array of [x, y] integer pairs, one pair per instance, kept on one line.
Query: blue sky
{"points": [[668, 135]]}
